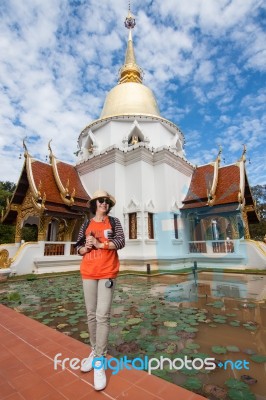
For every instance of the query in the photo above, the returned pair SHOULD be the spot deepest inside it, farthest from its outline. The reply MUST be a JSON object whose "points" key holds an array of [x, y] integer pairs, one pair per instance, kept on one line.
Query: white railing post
{"points": [[209, 247], [67, 248]]}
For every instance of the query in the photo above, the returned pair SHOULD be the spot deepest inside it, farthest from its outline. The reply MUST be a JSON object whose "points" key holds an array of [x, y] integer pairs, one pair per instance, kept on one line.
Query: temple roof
{"points": [[227, 188], [54, 189], [197, 193], [215, 186]]}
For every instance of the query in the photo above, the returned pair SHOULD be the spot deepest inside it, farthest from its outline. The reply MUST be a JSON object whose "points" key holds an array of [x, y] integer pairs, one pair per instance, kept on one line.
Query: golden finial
{"points": [[130, 21], [51, 151], [73, 193], [67, 189], [130, 71], [243, 156], [218, 158], [25, 147]]}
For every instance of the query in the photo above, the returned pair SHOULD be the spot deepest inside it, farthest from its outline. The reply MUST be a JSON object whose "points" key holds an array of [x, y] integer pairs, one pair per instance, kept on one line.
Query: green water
{"points": [[207, 315]]}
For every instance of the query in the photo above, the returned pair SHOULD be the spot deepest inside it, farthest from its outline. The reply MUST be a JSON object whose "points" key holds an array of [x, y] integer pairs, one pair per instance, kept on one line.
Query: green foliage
{"points": [[257, 231], [29, 233], [14, 296], [193, 383], [6, 190], [31, 277], [259, 194], [7, 234]]}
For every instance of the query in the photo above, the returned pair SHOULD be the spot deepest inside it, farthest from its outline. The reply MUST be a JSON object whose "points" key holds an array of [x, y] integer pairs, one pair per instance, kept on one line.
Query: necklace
{"points": [[101, 219]]}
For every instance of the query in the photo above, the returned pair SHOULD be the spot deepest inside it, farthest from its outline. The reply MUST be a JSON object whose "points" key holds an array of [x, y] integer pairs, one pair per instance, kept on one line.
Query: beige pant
{"points": [[98, 300]]}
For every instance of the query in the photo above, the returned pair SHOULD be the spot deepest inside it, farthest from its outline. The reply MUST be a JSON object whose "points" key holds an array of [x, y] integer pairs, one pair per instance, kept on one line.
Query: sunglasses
{"points": [[102, 200]]}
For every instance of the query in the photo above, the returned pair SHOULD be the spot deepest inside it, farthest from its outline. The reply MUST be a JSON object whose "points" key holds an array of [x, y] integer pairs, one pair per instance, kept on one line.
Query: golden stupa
{"points": [[130, 96]]}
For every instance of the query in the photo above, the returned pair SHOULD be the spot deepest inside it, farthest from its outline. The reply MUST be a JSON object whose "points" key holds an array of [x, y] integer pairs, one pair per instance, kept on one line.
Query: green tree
{"points": [[29, 233], [258, 231], [6, 190], [7, 232]]}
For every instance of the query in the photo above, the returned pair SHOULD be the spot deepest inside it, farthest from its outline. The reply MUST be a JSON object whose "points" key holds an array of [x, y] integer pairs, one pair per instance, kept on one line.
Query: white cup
{"points": [[106, 231]]}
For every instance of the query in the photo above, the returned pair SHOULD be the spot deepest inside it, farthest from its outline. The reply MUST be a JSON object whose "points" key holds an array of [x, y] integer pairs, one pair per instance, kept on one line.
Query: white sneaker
{"points": [[86, 364], [99, 376]]}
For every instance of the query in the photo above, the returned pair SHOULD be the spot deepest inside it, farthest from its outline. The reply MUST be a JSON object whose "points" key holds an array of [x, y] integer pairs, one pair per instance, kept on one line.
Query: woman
{"points": [[103, 236]]}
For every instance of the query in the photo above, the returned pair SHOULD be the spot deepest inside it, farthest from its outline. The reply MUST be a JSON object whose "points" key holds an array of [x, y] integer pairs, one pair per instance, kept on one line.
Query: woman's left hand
{"points": [[92, 242]]}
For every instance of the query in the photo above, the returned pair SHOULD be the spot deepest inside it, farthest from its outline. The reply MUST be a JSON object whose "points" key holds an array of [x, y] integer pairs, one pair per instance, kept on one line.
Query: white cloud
{"points": [[58, 59], [224, 119], [204, 73]]}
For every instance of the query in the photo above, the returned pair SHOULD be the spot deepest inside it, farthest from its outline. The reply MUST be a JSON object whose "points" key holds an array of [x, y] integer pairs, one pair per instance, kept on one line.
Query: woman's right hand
{"points": [[89, 242], [84, 250]]}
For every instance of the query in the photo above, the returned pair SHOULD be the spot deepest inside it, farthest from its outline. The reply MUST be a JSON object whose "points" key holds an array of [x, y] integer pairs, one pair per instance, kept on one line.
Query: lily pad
{"points": [[250, 327], [189, 372], [219, 321], [233, 383], [61, 326], [186, 351], [171, 348], [251, 305], [193, 383], [192, 346], [235, 394], [219, 349], [218, 304], [47, 321], [14, 296], [234, 349], [191, 329], [84, 335], [258, 358], [234, 323], [188, 311], [133, 321], [170, 324]]}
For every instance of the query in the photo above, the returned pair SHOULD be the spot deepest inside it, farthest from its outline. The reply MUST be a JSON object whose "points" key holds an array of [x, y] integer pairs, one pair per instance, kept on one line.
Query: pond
{"points": [[193, 316]]}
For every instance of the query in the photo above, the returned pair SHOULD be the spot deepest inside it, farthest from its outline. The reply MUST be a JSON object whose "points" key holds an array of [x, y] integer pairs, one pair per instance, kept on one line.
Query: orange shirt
{"points": [[99, 263]]}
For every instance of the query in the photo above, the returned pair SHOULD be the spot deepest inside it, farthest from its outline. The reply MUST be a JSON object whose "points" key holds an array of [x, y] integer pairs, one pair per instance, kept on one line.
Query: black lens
{"points": [[104, 199]]}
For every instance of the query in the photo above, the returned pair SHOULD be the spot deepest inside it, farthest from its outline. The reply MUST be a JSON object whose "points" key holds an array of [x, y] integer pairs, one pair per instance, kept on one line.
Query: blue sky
{"points": [[205, 60]]}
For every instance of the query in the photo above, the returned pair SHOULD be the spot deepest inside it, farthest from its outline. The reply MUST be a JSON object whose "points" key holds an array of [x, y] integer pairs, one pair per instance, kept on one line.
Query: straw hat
{"points": [[102, 193]]}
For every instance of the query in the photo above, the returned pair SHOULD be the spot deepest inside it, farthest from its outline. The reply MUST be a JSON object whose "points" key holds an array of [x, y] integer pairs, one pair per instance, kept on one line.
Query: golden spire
{"points": [[130, 71]]}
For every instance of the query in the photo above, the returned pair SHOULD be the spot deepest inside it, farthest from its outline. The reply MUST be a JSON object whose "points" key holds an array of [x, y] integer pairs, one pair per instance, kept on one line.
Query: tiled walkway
{"points": [[27, 350]]}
